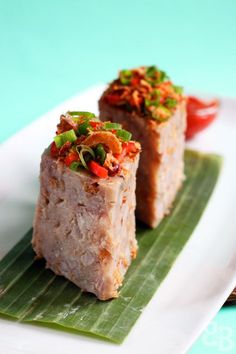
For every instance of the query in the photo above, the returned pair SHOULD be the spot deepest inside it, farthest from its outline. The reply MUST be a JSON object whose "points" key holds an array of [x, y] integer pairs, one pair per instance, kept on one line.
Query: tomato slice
{"points": [[71, 157], [97, 169], [200, 114]]}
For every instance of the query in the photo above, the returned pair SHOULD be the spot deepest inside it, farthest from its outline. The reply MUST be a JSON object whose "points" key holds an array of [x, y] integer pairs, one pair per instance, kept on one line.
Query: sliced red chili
{"points": [[135, 81], [127, 147], [96, 125], [71, 157], [113, 99], [97, 169], [65, 148], [54, 151]]}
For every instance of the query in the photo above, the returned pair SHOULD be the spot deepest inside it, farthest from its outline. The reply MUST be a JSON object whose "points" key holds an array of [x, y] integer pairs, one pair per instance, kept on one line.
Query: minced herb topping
{"points": [[84, 142], [146, 90]]}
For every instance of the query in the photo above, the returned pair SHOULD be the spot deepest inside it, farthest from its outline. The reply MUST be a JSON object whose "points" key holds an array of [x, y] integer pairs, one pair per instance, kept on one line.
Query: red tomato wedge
{"points": [[97, 169], [200, 114]]}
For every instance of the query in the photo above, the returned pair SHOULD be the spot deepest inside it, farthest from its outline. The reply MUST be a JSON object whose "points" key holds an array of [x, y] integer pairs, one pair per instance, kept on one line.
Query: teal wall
{"points": [[51, 49]]}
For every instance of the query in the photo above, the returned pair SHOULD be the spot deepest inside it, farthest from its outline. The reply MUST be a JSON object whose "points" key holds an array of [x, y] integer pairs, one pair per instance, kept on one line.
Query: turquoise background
{"points": [[50, 50]]}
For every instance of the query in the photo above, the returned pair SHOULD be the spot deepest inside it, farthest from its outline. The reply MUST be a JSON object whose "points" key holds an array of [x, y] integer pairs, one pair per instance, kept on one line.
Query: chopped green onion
{"points": [[62, 138], [82, 114], [111, 126], [75, 165], [125, 77], [83, 128], [156, 94], [125, 81], [101, 153], [155, 99], [148, 103], [124, 134], [170, 102], [166, 113], [163, 76], [151, 71], [178, 89], [153, 82], [154, 79], [83, 160], [81, 149]]}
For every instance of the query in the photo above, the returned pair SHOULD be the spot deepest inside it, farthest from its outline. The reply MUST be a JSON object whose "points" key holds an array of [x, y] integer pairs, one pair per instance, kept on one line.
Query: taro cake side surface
{"points": [[84, 223], [156, 116]]}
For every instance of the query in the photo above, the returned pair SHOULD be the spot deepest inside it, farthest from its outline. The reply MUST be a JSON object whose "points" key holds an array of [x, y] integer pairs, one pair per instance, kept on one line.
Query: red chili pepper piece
{"points": [[71, 157], [129, 147], [54, 151], [65, 148], [135, 81], [95, 125], [97, 169], [113, 99], [126, 149], [200, 114]]}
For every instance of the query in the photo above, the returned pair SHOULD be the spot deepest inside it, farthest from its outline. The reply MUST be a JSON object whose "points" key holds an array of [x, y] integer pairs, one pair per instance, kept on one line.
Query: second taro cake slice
{"points": [[84, 223], [146, 103]]}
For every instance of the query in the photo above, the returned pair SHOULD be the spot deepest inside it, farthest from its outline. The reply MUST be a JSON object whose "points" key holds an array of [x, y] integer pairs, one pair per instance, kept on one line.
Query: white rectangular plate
{"points": [[197, 285]]}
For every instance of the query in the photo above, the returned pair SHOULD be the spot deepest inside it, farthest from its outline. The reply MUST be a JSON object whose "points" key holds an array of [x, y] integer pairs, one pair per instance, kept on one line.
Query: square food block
{"points": [[161, 168], [84, 224], [85, 227]]}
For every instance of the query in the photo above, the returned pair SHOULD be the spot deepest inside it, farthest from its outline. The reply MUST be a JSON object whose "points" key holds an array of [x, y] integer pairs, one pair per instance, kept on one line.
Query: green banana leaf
{"points": [[29, 292]]}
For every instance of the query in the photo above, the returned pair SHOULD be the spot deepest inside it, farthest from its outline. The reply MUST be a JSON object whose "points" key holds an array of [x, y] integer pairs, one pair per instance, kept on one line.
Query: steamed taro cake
{"points": [[152, 108], [84, 222]]}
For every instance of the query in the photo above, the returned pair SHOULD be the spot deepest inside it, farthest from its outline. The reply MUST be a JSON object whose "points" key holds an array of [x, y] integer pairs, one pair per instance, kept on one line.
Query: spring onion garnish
{"points": [[112, 126], [148, 102], [170, 102], [101, 153], [155, 76], [154, 99], [62, 138], [151, 71], [178, 89], [163, 76], [161, 114], [83, 149], [142, 90], [126, 76], [124, 134], [78, 114], [75, 165], [83, 128], [88, 143]]}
